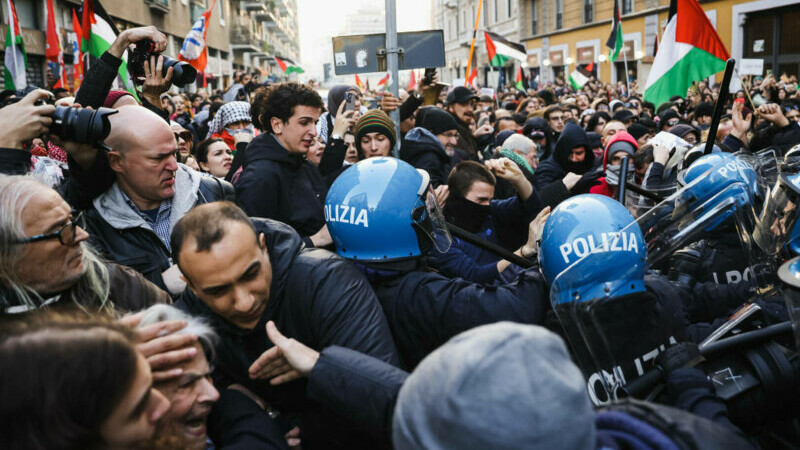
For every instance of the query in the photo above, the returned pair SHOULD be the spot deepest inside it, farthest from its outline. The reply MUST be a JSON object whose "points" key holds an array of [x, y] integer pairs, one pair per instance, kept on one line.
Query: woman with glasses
{"points": [[45, 259]]}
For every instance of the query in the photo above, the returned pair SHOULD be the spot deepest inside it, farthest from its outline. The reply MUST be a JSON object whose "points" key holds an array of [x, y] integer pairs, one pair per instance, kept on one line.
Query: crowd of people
{"points": [[262, 268]]}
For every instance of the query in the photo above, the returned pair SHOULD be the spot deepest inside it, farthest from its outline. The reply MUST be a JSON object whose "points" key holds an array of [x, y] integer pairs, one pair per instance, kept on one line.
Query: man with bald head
{"points": [[131, 221]]}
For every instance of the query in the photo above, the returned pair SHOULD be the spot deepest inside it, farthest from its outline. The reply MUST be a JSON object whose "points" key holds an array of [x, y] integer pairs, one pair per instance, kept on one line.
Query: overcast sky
{"points": [[320, 20]]}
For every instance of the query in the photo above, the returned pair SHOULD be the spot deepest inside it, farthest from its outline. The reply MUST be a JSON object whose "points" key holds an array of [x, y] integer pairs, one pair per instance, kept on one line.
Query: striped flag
{"points": [[98, 33], [501, 50], [16, 60], [690, 50], [520, 85], [614, 42], [288, 66], [194, 50]]}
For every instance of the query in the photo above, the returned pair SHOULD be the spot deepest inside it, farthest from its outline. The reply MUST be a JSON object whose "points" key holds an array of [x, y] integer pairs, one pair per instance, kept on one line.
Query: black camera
{"points": [[182, 73], [85, 126]]}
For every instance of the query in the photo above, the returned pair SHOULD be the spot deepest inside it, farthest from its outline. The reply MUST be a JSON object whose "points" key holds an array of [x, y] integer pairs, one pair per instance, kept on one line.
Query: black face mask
{"points": [[466, 214]]}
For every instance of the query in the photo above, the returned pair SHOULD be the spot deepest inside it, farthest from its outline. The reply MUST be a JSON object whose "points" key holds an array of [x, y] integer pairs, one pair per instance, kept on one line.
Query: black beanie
{"points": [[437, 121], [637, 130]]}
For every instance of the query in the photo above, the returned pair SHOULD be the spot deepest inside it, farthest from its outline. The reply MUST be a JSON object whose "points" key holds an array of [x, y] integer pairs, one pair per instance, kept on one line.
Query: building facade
{"points": [[242, 34], [457, 20], [561, 34]]}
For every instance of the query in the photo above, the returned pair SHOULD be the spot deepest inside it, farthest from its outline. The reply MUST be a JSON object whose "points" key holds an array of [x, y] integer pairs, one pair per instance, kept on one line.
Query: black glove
{"points": [[587, 181], [677, 356]]}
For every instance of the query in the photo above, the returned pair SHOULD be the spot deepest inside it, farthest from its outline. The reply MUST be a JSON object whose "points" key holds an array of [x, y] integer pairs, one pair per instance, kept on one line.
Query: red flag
{"points": [[53, 47], [472, 76], [384, 82], [412, 83], [359, 83], [77, 65], [590, 67], [87, 21]]}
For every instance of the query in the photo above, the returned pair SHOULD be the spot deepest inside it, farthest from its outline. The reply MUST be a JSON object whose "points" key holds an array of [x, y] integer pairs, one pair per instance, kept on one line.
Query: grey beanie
{"points": [[499, 386]]}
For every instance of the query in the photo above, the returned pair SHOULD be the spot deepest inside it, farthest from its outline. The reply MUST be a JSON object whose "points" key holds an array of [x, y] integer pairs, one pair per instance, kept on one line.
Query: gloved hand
{"points": [[587, 181], [677, 356]]}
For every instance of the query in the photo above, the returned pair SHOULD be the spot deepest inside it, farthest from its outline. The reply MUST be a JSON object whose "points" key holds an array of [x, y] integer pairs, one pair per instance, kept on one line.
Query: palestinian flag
{"points": [[97, 34], [690, 50], [16, 60], [501, 50], [288, 66], [519, 84], [578, 78], [614, 42]]}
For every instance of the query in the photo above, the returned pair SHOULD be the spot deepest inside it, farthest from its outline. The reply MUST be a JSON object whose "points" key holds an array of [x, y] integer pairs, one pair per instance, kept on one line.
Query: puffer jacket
{"points": [[121, 235], [319, 299], [423, 150]]}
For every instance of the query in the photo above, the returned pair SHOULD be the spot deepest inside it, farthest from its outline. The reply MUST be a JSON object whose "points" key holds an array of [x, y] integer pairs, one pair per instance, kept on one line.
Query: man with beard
{"points": [[432, 145], [572, 155], [461, 105]]}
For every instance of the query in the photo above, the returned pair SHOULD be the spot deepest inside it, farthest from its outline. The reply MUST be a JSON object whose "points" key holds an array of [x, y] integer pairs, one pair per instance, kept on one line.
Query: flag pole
{"points": [[625, 61], [719, 106], [472, 46]]}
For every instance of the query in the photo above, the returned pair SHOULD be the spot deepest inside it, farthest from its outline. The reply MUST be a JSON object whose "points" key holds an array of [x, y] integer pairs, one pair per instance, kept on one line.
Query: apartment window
{"points": [[588, 11], [495, 10], [559, 7], [627, 6], [508, 9], [534, 17]]}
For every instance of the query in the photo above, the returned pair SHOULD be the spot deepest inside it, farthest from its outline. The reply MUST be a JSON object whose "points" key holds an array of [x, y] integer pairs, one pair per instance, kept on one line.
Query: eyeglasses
{"points": [[65, 235], [185, 135]]}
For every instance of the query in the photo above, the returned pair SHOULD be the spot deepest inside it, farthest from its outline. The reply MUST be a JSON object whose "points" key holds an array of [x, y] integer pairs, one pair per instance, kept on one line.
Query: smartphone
{"points": [[429, 74], [769, 72], [739, 100], [350, 102]]}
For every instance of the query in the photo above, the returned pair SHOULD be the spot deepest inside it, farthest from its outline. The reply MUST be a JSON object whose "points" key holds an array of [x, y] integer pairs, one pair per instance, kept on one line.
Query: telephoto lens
{"points": [[82, 125], [182, 72]]}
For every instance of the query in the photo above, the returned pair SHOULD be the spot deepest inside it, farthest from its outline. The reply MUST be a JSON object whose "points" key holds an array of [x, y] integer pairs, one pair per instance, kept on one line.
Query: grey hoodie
{"points": [[113, 209]]}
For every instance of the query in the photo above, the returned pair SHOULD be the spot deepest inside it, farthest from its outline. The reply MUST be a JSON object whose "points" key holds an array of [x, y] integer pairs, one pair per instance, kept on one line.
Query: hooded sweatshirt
{"points": [[423, 150], [606, 188], [558, 165]]}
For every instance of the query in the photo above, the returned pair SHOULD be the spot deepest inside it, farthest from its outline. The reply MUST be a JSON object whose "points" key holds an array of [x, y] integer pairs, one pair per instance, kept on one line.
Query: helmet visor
{"points": [[778, 218]]}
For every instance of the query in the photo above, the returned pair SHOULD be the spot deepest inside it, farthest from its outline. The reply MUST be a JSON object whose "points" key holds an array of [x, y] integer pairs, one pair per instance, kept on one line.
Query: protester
{"points": [[432, 145], [46, 261], [242, 273], [76, 383], [214, 157], [231, 121], [277, 182]]}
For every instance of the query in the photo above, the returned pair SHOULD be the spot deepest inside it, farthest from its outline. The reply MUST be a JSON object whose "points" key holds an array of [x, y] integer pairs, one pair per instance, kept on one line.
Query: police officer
{"points": [[382, 215], [616, 319]]}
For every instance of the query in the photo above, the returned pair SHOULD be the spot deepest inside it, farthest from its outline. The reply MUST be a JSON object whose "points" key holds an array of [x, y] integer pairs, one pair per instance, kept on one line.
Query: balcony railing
{"points": [[158, 5]]}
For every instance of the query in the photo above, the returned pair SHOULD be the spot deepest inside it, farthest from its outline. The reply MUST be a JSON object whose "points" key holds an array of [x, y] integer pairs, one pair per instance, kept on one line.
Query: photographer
{"points": [[102, 73]]}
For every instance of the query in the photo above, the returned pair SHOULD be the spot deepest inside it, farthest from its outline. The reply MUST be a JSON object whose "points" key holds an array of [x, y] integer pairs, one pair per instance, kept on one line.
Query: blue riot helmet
{"points": [[692, 155], [594, 257], [602, 234], [384, 210]]}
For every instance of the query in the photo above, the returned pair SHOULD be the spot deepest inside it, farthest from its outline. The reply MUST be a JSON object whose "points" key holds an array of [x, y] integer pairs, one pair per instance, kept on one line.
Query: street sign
{"points": [[367, 53], [753, 66]]}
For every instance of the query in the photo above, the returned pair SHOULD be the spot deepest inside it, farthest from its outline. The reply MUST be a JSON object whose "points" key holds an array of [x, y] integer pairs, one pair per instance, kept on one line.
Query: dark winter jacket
{"points": [[507, 220], [238, 423], [280, 185], [423, 150], [121, 235], [319, 299], [558, 165], [367, 390], [467, 142], [425, 309]]}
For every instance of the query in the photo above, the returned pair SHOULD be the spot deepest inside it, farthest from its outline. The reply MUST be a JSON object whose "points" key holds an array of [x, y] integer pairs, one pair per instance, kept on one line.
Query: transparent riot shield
{"points": [[724, 194], [615, 328], [638, 204], [765, 163]]}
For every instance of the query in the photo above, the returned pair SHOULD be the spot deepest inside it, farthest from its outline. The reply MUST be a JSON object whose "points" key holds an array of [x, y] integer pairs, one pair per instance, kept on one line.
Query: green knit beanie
{"points": [[375, 121]]}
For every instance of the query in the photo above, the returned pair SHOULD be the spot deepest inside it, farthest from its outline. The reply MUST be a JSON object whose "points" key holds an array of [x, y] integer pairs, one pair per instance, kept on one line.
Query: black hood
{"points": [[283, 246], [336, 97], [266, 146], [419, 140], [573, 136]]}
